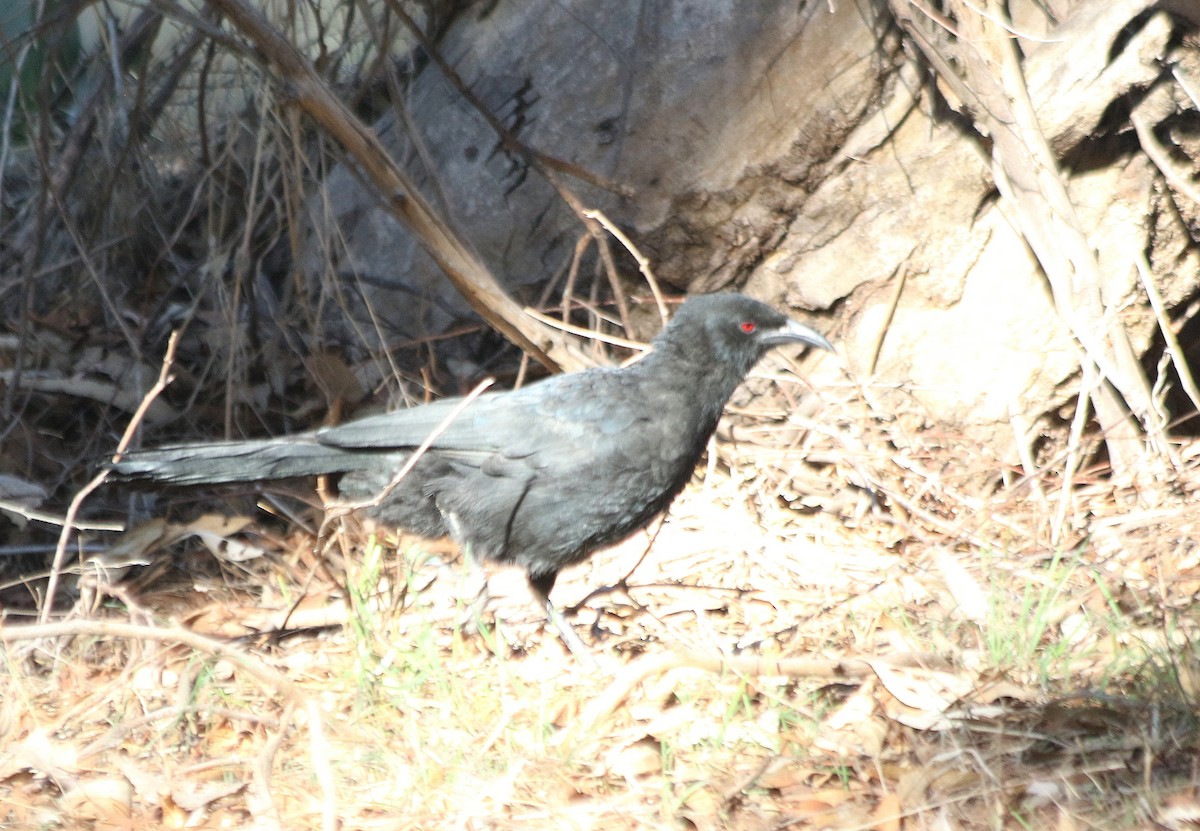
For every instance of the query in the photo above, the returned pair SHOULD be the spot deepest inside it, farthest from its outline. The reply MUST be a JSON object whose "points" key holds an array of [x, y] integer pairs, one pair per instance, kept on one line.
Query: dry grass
{"points": [[958, 670]]}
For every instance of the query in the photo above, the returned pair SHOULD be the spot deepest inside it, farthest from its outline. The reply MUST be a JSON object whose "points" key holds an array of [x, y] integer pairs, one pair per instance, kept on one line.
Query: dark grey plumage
{"points": [[541, 476]]}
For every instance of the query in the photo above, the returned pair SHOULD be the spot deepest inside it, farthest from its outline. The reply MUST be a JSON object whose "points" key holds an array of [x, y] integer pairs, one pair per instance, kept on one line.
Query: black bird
{"points": [[540, 476]]}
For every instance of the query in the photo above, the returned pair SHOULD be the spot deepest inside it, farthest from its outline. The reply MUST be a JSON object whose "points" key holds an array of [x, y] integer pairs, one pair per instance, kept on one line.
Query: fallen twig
{"points": [[60, 552]]}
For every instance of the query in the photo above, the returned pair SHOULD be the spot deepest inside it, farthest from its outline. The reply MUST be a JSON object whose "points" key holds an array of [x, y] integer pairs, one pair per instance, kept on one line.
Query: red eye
{"points": [[748, 326]]}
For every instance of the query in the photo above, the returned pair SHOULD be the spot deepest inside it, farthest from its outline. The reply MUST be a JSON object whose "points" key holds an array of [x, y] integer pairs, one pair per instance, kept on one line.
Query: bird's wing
{"points": [[408, 428], [559, 411]]}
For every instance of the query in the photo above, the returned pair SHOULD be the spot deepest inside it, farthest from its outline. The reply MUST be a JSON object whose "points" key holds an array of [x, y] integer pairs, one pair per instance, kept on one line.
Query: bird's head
{"points": [[733, 331]]}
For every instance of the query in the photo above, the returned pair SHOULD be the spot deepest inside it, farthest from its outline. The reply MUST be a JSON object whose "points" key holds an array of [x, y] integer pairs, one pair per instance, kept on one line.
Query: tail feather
{"points": [[237, 461]]}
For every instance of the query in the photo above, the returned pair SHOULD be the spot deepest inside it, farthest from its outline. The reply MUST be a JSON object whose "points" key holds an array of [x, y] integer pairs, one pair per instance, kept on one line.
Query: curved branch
{"points": [[471, 277]]}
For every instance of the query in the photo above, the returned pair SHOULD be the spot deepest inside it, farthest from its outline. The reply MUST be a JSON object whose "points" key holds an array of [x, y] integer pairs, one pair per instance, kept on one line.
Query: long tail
{"points": [[235, 461]]}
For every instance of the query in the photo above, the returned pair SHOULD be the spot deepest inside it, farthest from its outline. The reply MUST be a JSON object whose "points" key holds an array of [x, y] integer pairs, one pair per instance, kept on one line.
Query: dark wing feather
{"points": [[562, 410]]}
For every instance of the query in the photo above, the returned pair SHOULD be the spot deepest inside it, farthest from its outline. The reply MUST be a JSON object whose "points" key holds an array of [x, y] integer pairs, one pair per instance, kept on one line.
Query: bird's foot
{"points": [[570, 637]]}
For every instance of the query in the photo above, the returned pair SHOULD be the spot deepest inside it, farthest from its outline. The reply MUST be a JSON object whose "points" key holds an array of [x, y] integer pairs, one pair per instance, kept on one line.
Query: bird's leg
{"points": [[541, 584], [567, 633], [472, 583]]}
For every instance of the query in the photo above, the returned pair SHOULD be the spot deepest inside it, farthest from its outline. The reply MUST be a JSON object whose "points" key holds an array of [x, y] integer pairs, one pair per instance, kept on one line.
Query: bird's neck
{"points": [[710, 371], [703, 381]]}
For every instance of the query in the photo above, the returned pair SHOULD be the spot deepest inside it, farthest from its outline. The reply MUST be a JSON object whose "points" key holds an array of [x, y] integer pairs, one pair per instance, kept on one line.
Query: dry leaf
{"points": [[106, 800], [642, 758], [969, 597], [887, 813], [853, 729], [922, 697]]}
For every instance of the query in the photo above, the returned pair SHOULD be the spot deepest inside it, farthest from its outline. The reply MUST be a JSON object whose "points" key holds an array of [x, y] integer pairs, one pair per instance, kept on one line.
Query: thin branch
{"points": [[472, 279], [1178, 355], [1179, 180], [221, 650], [901, 277], [339, 508], [581, 332], [507, 140], [53, 519], [642, 260], [60, 552], [650, 666], [548, 166], [993, 88]]}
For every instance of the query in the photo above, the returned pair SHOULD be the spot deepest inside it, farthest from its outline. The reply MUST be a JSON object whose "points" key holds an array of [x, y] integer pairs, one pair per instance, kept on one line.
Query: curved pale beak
{"points": [[795, 332]]}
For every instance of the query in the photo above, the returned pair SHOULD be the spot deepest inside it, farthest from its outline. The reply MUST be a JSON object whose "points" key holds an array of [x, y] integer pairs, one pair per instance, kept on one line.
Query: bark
{"points": [[992, 85]]}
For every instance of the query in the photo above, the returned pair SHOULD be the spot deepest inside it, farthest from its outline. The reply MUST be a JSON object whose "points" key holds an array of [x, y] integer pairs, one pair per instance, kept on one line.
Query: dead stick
{"points": [[472, 279], [60, 552]]}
